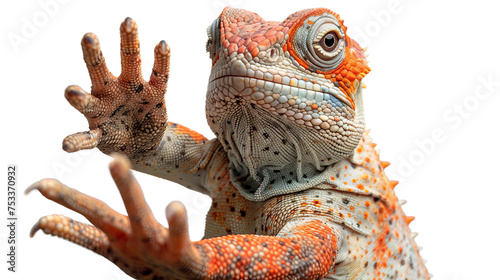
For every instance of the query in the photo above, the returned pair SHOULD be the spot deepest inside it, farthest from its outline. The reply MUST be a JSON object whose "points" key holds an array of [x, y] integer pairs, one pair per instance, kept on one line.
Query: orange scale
{"points": [[252, 46], [272, 40], [225, 43], [233, 39], [241, 49], [245, 19], [232, 48], [255, 52], [264, 30], [264, 44], [351, 76], [247, 29], [248, 41], [270, 32], [257, 38]]}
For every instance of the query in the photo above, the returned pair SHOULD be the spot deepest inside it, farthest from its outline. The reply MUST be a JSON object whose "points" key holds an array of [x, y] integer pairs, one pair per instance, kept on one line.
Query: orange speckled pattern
{"points": [[298, 190]]}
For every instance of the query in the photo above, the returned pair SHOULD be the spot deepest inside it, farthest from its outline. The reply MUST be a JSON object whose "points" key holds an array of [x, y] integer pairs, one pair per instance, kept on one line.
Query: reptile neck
{"points": [[270, 155]]}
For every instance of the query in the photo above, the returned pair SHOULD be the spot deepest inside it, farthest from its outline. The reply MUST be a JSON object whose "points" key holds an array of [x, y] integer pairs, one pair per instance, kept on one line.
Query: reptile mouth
{"points": [[261, 83]]}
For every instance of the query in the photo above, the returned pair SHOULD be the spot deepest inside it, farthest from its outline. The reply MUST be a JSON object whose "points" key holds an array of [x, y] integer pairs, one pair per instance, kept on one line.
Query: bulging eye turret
{"points": [[213, 42], [320, 41]]}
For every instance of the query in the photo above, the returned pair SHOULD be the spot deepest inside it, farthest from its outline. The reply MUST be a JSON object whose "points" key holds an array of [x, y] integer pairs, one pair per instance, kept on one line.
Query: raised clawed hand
{"points": [[126, 114]]}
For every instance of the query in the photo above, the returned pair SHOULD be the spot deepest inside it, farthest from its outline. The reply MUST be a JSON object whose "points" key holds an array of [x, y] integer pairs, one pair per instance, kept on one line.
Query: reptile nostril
{"points": [[272, 55]]}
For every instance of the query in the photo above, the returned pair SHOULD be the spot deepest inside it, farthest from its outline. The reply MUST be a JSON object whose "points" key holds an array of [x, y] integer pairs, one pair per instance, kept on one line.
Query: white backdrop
{"points": [[431, 103]]}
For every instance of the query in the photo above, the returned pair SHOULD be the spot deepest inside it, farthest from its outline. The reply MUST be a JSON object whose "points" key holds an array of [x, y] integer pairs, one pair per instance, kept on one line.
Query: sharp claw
{"points": [[51, 185], [82, 234], [36, 227], [105, 219], [82, 140], [42, 184], [68, 147], [92, 49], [73, 91], [78, 98], [129, 26], [97, 212], [31, 188], [127, 23], [90, 40], [162, 53], [164, 49], [159, 77]]}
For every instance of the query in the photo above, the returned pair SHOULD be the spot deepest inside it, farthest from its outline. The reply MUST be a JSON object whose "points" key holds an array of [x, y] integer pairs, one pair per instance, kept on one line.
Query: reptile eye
{"points": [[329, 41], [320, 41], [213, 42]]}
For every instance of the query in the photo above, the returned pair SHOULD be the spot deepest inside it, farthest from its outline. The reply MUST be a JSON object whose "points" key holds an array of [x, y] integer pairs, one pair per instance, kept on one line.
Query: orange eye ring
{"points": [[351, 67]]}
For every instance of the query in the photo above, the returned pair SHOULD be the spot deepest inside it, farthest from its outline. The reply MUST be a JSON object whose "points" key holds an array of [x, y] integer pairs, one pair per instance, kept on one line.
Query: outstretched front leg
{"points": [[127, 114], [137, 244], [144, 249]]}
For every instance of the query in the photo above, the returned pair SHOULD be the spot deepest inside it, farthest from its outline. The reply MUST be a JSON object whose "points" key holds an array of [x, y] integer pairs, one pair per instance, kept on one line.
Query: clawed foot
{"points": [[136, 243], [126, 114]]}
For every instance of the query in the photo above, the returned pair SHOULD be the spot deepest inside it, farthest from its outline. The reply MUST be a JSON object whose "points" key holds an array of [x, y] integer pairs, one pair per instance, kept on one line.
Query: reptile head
{"points": [[284, 92]]}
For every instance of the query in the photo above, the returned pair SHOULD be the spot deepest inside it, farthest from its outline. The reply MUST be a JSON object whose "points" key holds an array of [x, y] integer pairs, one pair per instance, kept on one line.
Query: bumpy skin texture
{"points": [[298, 190]]}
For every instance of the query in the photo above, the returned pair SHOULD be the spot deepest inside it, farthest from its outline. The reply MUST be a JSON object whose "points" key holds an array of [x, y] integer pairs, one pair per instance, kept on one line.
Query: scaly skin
{"points": [[298, 190]]}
